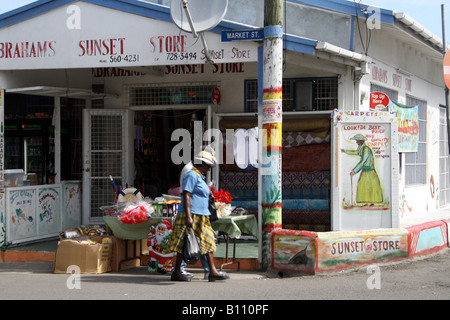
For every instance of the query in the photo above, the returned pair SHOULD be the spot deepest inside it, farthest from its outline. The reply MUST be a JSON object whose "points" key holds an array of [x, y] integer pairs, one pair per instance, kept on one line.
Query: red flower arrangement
{"points": [[221, 196]]}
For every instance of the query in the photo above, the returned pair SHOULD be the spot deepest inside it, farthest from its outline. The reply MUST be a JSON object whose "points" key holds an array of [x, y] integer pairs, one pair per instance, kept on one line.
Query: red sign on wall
{"points": [[215, 95], [379, 101]]}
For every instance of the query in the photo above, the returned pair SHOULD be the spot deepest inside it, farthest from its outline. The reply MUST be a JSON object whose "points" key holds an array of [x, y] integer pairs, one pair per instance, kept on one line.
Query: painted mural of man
{"points": [[369, 191]]}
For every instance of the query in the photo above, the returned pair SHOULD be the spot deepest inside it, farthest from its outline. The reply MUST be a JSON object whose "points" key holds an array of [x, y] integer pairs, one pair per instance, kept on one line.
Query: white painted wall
{"points": [[412, 69]]}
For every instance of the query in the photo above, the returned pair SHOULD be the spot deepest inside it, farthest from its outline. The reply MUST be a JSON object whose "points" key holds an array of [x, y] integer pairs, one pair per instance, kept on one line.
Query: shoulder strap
{"points": [[197, 172]]}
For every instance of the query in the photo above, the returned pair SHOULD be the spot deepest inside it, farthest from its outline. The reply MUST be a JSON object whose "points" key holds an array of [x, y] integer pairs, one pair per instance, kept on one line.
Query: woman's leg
{"points": [[179, 260], [213, 273], [212, 266]]}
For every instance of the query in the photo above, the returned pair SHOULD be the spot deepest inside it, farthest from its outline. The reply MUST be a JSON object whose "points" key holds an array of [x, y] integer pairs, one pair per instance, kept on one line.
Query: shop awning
{"points": [[63, 92]]}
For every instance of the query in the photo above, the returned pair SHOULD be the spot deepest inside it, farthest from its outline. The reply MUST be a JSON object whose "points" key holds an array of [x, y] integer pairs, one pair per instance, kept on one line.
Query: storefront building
{"points": [[96, 89]]}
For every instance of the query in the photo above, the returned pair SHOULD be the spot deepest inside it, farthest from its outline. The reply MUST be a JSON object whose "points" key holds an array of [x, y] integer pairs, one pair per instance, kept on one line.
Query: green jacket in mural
{"points": [[369, 189]]}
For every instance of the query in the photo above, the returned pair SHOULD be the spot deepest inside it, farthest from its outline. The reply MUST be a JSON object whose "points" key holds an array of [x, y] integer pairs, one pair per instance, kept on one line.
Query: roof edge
{"points": [[419, 29], [39, 7]]}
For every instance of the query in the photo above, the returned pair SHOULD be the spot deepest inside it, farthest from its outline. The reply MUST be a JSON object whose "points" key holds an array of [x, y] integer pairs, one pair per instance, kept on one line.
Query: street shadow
{"points": [[137, 275], [27, 267]]}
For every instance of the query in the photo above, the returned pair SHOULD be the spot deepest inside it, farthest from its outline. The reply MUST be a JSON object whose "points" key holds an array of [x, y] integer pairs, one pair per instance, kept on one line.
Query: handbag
{"points": [[212, 210], [191, 247]]}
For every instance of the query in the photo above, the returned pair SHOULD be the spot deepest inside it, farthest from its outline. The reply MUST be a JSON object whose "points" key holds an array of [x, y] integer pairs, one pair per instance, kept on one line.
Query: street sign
{"points": [[446, 69], [249, 34]]}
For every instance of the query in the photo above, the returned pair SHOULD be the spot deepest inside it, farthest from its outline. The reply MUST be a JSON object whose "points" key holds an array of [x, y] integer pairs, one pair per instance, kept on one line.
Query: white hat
{"points": [[207, 156]]}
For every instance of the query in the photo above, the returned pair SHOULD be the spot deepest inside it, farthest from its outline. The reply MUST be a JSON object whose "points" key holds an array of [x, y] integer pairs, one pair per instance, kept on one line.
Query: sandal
{"points": [[221, 276]]}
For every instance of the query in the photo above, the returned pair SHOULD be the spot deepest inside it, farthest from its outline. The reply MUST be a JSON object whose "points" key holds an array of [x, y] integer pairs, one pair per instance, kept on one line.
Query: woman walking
{"points": [[194, 213]]}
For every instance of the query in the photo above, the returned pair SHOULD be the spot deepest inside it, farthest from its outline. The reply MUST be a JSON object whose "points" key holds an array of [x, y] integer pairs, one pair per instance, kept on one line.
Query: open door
{"points": [[105, 154]]}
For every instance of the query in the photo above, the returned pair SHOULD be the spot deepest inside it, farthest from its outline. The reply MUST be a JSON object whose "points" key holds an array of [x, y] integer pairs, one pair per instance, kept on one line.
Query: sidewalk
{"points": [[415, 237]]}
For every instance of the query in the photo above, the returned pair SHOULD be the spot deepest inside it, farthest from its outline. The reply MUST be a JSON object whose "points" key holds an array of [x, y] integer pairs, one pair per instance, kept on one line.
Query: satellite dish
{"points": [[197, 15]]}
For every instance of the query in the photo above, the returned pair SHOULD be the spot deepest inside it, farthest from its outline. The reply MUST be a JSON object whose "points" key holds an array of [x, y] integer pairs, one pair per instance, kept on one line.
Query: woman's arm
{"points": [[187, 208]]}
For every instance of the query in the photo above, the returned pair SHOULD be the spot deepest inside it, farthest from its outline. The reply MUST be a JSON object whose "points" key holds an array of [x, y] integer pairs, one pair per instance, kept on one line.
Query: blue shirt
{"points": [[199, 193]]}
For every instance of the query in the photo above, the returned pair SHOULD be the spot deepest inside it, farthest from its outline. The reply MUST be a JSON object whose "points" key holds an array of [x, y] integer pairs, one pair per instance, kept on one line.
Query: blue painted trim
{"points": [[31, 10], [273, 32], [260, 78], [352, 33], [299, 44]]}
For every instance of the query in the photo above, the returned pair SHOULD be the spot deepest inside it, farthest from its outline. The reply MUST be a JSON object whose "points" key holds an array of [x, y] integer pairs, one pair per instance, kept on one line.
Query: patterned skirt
{"points": [[202, 229]]}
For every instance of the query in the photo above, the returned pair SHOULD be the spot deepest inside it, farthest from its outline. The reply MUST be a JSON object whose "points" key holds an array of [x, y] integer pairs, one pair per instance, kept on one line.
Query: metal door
{"points": [[104, 149]]}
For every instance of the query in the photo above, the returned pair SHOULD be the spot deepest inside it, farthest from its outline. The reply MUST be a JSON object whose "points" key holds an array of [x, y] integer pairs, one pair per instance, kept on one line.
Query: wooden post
{"points": [[271, 122]]}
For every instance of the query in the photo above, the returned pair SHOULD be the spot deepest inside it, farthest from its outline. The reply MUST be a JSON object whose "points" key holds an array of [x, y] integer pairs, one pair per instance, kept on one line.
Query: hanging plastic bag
{"points": [[212, 209], [191, 247]]}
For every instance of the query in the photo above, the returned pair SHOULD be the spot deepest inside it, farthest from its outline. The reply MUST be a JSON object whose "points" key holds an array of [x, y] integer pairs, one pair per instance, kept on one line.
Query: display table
{"points": [[133, 232], [136, 231], [234, 226]]}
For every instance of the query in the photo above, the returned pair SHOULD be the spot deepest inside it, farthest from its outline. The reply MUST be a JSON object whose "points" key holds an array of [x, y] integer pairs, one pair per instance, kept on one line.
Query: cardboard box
{"points": [[90, 258], [126, 253]]}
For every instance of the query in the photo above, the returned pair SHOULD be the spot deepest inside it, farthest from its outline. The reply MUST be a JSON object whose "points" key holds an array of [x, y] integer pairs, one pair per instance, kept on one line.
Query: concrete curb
{"points": [[306, 252]]}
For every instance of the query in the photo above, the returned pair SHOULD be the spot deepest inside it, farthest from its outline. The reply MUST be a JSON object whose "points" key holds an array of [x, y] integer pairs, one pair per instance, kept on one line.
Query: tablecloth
{"points": [[136, 231], [236, 225]]}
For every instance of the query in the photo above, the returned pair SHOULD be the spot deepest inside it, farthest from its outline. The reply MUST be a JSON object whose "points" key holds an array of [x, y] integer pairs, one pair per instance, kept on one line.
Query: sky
{"points": [[426, 12]]}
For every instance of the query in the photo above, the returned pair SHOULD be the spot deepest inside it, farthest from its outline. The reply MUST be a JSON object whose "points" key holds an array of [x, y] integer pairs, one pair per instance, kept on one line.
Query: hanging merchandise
{"points": [[222, 202], [136, 213], [245, 146], [253, 147], [130, 195], [241, 148], [160, 259]]}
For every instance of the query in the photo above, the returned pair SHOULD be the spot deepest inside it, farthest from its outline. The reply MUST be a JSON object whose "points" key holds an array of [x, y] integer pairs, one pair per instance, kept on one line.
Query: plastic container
{"points": [[14, 177]]}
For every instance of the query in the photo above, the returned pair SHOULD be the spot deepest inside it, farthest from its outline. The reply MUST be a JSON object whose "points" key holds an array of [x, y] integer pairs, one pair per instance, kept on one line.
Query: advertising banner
{"points": [[365, 163], [84, 35], [408, 126]]}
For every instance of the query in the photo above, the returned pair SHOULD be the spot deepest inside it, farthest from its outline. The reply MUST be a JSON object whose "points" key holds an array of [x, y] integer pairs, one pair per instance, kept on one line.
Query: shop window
{"points": [[444, 161], [416, 162], [184, 94], [71, 138], [316, 94], [29, 136], [392, 94]]}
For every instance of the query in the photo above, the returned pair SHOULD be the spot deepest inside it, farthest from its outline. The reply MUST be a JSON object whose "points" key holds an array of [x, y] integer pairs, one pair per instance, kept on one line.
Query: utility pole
{"points": [[444, 51], [271, 113]]}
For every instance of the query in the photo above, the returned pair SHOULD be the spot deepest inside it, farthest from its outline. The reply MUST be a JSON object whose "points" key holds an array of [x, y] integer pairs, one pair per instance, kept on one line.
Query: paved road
{"points": [[418, 279]]}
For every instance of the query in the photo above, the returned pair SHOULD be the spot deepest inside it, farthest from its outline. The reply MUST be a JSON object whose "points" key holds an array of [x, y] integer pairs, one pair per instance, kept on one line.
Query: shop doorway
{"points": [[133, 147], [105, 151], [155, 172]]}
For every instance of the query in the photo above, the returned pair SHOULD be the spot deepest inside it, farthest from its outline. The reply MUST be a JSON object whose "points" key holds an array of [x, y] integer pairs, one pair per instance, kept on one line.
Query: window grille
{"points": [[172, 94], [392, 94], [444, 162], [416, 162], [324, 94], [106, 158]]}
